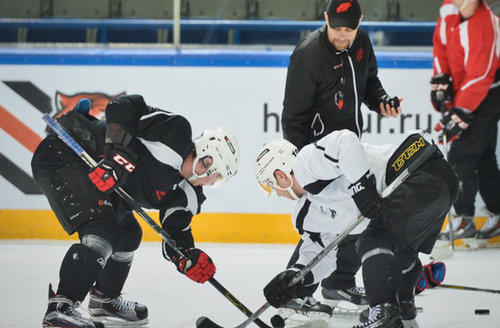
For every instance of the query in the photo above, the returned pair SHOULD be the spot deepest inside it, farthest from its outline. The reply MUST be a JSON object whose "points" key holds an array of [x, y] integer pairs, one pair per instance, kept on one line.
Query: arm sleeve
{"points": [[177, 225], [481, 53], [439, 40], [300, 91], [126, 111], [310, 248], [344, 149], [374, 90]]}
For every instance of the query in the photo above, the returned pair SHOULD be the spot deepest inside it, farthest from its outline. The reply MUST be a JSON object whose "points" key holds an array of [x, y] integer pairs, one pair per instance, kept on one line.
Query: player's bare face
{"points": [[341, 37]]}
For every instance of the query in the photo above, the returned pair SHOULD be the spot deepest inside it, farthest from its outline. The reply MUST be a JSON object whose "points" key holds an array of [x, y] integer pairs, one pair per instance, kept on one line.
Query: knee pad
{"points": [[375, 252], [131, 235], [98, 244], [123, 257]]}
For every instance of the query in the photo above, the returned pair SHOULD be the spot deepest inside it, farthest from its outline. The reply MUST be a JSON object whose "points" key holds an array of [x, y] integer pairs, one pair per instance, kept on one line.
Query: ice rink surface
{"points": [[27, 267]]}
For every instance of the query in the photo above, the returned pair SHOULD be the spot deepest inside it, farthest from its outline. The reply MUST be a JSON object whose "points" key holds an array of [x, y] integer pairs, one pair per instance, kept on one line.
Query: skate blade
{"points": [[117, 322], [344, 307], [299, 321], [493, 242]]}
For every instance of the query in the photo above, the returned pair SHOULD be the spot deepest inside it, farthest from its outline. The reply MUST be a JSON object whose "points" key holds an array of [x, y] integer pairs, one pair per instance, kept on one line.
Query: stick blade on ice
{"points": [[204, 322]]}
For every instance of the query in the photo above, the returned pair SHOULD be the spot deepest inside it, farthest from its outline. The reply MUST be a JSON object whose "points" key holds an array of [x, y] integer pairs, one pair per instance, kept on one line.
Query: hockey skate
{"points": [[62, 312], [489, 235], [408, 314], [307, 307], [349, 301], [464, 233], [384, 315], [116, 311]]}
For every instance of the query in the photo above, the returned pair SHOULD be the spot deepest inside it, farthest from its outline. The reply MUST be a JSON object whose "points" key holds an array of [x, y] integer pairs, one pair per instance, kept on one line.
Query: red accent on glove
{"points": [[202, 267], [102, 180]]}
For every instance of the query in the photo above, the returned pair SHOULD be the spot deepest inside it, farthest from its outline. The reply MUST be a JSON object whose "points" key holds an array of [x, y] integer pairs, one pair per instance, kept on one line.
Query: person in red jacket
{"points": [[465, 88]]}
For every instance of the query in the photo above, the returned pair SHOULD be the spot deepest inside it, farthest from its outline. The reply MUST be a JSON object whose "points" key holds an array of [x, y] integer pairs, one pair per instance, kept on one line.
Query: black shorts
{"points": [[63, 177], [419, 206]]}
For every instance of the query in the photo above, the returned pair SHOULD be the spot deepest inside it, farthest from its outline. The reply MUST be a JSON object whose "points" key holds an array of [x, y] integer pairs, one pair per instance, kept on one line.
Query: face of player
{"points": [[341, 37], [201, 168]]}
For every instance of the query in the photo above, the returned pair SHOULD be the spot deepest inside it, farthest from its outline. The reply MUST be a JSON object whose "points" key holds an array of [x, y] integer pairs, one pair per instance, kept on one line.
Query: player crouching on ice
{"points": [[339, 178], [150, 154]]}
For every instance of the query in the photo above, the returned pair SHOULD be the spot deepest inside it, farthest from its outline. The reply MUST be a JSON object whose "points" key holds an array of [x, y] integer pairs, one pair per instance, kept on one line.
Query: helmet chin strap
{"points": [[289, 188]]}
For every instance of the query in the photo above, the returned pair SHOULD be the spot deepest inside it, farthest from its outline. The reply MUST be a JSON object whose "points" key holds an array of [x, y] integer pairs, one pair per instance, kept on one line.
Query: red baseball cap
{"points": [[343, 13]]}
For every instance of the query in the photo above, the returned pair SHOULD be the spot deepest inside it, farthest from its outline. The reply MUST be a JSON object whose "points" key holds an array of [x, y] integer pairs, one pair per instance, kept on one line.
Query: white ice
{"points": [[27, 267]]}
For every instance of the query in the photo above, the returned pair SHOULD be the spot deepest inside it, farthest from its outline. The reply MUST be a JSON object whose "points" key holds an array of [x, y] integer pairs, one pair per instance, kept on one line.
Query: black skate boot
{"points": [[463, 229], [349, 301], [384, 315], [61, 312], [408, 314], [116, 311]]}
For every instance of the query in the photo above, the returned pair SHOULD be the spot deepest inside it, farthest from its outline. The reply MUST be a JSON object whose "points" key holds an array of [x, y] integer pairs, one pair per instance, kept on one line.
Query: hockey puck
{"points": [[277, 321], [482, 311]]}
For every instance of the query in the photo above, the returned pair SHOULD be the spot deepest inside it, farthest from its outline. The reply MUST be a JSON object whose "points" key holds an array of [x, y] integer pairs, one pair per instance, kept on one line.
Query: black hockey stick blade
{"points": [[204, 322]]}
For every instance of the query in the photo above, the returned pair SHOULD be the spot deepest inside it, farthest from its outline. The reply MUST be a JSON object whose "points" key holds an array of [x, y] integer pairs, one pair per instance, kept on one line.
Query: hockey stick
{"points": [[68, 140], [440, 98], [205, 322], [443, 252], [470, 288]]}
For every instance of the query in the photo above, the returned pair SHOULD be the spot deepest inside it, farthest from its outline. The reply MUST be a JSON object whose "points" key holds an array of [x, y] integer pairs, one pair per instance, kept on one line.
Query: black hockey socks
{"points": [[113, 277], [381, 277], [80, 268]]}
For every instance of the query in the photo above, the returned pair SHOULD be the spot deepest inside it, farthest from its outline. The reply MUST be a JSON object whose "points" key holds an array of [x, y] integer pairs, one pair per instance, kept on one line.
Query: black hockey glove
{"points": [[453, 124], [367, 198], [112, 172], [441, 83], [277, 291], [199, 267]]}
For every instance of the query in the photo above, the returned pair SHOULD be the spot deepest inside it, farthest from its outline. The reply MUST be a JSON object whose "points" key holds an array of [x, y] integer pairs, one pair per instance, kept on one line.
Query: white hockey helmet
{"points": [[222, 148], [279, 154]]}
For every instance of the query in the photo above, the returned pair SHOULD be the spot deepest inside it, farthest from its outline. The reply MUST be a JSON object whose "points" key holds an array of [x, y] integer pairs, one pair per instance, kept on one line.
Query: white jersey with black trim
{"points": [[325, 170]]}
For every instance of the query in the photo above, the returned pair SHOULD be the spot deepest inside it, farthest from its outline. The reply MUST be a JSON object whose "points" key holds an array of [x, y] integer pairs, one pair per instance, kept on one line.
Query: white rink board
{"points": [[232, 97]]}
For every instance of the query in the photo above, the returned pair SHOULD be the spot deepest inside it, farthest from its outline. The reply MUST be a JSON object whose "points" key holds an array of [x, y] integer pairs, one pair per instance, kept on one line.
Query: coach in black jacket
{"points": [[332, 71]]}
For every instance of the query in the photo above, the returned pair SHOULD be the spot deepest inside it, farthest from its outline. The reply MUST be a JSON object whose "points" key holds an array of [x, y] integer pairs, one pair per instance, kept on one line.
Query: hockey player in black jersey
{"points": [[151, 155], [334, 181]]}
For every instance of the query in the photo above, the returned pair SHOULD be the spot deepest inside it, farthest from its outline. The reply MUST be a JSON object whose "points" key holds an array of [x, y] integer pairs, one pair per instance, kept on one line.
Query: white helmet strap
{"points": [[289, 188]]}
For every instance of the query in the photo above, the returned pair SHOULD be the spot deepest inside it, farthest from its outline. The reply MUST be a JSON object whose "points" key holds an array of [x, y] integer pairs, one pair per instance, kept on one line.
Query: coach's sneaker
{"points": [[355, 295], [116, 311], [384, 315], [490, 229], [62, 312]]}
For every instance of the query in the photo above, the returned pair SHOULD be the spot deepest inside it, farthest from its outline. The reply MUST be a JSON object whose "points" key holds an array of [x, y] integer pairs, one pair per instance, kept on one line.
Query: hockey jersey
{"points": [[325, 170], [162, 141], [468, 51]]}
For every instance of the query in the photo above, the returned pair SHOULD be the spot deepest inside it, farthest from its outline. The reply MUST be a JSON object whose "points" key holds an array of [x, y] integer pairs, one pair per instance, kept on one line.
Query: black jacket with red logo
{"points": [[316, 101]]}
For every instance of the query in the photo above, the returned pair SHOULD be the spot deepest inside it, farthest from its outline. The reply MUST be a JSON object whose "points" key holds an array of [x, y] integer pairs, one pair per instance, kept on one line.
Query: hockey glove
{"points": [[453, 124], [112, 172], [432, 276], [365, 195], [441, 83], [199, 267], [277, 291]]}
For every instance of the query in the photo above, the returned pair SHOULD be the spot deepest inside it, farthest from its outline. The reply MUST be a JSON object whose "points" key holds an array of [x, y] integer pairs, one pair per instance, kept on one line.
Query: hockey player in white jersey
{"points": [[339, 178]]}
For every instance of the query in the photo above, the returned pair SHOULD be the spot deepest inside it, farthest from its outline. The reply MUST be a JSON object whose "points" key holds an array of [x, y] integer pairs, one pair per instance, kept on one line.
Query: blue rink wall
{"points": [[240, 90]]}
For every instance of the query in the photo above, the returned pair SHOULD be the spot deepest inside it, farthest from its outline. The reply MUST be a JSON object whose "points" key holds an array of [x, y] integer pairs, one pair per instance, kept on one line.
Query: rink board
{"points": [[240, 90]]}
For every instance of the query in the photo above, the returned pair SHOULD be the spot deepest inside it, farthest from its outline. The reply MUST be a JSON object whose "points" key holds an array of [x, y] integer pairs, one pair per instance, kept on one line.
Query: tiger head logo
{"points": [[98, 100]]}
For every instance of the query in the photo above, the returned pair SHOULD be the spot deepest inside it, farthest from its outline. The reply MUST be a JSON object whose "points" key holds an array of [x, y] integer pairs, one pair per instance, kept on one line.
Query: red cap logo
{"points": [[344, 7]]}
